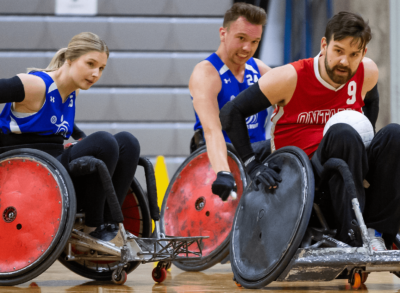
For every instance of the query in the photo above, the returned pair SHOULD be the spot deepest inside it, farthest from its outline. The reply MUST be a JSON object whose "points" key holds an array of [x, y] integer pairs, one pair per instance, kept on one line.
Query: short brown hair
{"points": [[253, 14], [347, 24]]}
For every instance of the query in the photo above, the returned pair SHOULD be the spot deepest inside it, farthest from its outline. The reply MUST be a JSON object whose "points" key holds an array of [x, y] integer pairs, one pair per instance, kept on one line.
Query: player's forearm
{"points": [[371, 108], [216, 150], [233, 118]]}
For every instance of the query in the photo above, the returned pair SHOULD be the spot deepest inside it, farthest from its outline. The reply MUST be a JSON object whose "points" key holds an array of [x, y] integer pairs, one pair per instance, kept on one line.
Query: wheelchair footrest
{"points": [[170, 248]]}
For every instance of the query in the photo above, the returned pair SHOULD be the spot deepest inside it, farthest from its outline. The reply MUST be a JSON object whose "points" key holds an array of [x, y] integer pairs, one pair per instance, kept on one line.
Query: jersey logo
{"points": [[252, 121], [227, 80], [351, 91], [62, 127], [52, 99], [53, 119], [318, 116]]}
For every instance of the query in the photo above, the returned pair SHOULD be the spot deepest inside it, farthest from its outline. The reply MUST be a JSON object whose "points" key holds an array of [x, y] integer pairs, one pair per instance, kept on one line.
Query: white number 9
{"points": [[351, 90]]}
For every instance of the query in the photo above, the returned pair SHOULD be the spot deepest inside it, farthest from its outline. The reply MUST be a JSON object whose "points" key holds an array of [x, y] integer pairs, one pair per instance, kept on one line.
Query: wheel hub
{"points": [[200, 203], [9, 214]]}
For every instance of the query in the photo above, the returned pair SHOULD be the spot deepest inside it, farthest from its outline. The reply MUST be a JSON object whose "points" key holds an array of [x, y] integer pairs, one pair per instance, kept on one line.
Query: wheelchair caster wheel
{"points": [[364, 277], [237, 283], [168, 266], [159, 274], [121, 279], [356, 281]]}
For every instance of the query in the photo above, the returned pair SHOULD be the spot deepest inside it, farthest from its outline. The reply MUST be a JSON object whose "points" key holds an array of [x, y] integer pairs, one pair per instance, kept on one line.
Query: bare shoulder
{"points": [[205, 69], [204, 80], [285, 72], [34, 86], [264, 68], [371, 74], [370, 66]]}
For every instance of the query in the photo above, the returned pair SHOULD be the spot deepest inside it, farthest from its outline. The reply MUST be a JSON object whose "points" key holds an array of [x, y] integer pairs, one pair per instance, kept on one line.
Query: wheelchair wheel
{"points": [[190, 208], [137, 220], [269, 225], [37, 210]]}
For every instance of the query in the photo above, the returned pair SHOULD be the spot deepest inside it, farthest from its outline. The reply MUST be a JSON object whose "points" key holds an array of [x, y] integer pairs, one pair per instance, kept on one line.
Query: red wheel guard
{"points": [[193, 210], [30, 210]]}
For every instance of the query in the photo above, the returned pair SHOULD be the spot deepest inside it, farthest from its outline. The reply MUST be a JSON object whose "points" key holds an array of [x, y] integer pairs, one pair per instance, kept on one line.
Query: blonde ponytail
{"points": [[79, 45]]}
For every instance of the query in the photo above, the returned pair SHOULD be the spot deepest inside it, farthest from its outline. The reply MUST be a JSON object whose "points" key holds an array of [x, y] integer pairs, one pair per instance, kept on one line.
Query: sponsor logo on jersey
{"points": [[227, 80], [62, 127], [53, 119], [318, 116], [252, 121], [52, 99]]}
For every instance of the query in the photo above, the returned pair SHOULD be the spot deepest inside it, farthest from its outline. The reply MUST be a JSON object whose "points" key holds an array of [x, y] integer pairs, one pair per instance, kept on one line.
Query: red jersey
{"points": [[301, 122]]}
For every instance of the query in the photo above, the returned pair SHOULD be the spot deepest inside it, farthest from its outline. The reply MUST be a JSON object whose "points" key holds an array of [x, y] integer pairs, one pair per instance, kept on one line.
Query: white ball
{"points": [[355, 119]]}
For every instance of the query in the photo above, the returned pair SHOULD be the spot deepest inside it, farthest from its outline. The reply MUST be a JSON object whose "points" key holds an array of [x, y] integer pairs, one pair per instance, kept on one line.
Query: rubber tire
{"points": [[300, 232], [161, 274], [356, 282], [122, 280], [69, 222], [107, 276], [223, 251]]}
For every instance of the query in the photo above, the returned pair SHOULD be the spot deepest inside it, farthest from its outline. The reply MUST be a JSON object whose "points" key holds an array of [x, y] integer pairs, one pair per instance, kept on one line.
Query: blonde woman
{"points": [[40, 113]]}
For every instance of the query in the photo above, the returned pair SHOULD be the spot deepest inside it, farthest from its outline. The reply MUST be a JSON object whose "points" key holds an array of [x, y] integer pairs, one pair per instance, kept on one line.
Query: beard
{"points": [[339, 79]]}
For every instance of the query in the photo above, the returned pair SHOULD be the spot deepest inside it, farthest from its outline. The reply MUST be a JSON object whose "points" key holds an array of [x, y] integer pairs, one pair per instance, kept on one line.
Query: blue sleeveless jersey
{"points": [[231, 88], [55, 117]]}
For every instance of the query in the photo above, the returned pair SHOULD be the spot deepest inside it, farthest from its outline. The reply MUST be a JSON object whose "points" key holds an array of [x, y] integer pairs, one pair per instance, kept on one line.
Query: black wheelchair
{"points": [[297, 249], [39, 224]]}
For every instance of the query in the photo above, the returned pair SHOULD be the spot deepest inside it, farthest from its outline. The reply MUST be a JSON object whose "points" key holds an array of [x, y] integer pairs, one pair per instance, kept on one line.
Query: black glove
{"points": [[223, 185], [259, 173]]}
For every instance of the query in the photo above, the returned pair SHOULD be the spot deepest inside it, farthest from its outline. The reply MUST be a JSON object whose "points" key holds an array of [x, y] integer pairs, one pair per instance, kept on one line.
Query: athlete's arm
{"points": [[35, 94], [371, 107], [275, 87], [370, 92], [262, 67], [77, 133], [371, 75], [204, 86]]}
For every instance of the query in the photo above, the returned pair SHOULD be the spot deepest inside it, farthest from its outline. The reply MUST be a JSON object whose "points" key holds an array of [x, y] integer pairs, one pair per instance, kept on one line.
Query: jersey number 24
{"points": [[251, 80]]}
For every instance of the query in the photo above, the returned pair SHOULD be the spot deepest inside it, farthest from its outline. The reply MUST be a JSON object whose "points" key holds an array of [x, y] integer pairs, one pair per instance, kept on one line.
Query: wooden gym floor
{"points": [[216, 279]]}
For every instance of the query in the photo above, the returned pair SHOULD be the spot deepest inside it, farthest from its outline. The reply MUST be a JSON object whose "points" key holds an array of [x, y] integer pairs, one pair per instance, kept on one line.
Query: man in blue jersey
{"points": [[220, 78]]}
